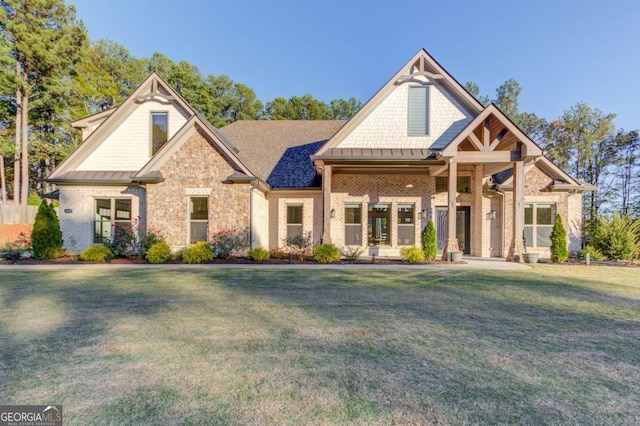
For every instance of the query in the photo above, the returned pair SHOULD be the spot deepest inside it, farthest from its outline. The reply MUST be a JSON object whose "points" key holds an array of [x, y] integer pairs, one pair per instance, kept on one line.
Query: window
{"points": [[418, 111], [378, 224], [294, 220], [463, 185], [108, 214], [198, 219], [406, 225], [159, 130], [353, 224], [538, 223]]}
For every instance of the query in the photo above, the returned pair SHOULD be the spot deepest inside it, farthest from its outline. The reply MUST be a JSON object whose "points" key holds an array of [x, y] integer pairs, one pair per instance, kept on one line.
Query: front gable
{"points": [[383, 122], [119, 139]]}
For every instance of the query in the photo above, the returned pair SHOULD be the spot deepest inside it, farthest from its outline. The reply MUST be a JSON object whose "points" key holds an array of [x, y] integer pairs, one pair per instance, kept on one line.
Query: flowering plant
{"points": [[17, 249], [131, 239], [228, 242]]}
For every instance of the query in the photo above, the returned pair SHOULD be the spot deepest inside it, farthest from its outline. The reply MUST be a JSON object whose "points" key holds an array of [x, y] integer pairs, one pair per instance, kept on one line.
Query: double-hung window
{"points": [[198, 219], [353, 224], [406, 225], [110, 213], [538, 224], [159, 130], [418, 111], [294, 221]]}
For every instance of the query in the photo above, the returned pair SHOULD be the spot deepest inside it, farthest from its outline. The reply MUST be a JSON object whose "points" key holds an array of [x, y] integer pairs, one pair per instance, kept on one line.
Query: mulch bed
{"points": [[232, 261]]}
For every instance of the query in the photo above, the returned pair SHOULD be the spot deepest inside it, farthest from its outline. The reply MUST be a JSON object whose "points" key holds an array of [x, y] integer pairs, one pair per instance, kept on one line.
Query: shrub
{"points": [[594, 253], [325, 253], [278, 253], [131, 239], [429, 241], [412, 255], [46, 237], [559, 251], [617, 238], [97, 253], [302, 241], [198, 253], [159, 253], [17, 249], [258, 254], [299, 246], [352, 253], [33, 199], [226, 243]]}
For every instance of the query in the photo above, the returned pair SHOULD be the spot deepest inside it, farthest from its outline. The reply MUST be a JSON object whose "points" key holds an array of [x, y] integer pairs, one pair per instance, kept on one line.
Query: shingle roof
{"points": [[279, 151]]}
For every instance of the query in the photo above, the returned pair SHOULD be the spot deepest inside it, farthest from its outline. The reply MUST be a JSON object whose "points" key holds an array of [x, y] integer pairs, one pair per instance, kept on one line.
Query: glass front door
{"points": [[463, 227]]}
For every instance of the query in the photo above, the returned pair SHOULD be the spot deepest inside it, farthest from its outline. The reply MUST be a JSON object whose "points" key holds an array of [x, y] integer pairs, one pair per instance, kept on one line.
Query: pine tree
{"points": [[46, 236], [559, 251], [429, 242]]}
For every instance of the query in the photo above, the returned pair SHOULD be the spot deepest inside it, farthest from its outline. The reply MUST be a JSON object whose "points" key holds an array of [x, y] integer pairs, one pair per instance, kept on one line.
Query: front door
{"points": [[463, 227]]}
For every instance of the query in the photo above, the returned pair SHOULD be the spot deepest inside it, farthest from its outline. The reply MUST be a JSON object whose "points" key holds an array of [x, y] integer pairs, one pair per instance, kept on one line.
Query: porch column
{"points": [[326, 205], [451, 244], [516, 248]]}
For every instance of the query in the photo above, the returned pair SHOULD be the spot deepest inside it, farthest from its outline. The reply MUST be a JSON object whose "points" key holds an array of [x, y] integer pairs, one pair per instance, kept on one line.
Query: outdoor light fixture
{"points": [[492, 214], [423, 214], [333, 213]]}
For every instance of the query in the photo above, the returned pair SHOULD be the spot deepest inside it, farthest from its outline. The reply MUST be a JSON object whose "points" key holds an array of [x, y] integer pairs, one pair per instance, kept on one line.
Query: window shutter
{"points": [[419, 110]]}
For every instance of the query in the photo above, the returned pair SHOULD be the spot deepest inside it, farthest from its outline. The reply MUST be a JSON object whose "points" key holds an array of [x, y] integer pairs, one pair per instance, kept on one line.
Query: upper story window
{"points": [[418, 111], [159, 130]]}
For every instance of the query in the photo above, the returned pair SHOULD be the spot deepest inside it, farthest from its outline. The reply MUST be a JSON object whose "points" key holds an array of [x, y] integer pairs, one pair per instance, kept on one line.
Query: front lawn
{"points": [[204, 346]]}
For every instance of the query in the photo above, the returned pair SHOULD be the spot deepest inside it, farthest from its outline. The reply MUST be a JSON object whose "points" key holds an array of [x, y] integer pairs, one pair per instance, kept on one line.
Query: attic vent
{"points": [[418, 111]]}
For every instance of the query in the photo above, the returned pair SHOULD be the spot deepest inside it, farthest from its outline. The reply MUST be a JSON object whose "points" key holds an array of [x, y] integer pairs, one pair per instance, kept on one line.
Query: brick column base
{"points": [[516, 249], [450, 245]]}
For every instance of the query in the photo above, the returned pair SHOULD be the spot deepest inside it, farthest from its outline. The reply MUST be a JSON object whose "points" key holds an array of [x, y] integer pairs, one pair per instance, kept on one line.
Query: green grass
{"points": [[554, 345]]}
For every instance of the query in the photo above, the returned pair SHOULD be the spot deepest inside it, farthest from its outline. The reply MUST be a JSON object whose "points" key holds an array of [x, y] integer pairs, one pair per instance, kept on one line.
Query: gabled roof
{"points": [[426, 66], [531, 148], [151, 170], [153, 87], [279, 151], [560, 180]]}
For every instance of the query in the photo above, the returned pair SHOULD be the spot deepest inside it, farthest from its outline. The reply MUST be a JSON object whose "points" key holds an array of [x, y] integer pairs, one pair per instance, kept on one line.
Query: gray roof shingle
{"points": [[279, 151]]}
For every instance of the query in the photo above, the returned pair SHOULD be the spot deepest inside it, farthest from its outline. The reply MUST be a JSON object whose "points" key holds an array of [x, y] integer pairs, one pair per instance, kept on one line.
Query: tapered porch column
{"points": [[451, 244], [516, 247], [326, 204]]}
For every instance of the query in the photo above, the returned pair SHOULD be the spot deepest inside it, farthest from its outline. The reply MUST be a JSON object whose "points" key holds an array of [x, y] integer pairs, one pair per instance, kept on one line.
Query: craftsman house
{"points": [[421, 148]]}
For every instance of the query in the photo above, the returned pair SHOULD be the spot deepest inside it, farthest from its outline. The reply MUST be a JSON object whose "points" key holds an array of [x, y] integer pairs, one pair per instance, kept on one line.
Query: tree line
{"points": [[52, 74]]}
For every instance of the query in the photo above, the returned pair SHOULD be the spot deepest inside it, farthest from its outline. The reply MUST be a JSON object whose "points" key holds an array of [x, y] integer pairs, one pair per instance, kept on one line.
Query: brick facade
{"points": [[197, 167]]}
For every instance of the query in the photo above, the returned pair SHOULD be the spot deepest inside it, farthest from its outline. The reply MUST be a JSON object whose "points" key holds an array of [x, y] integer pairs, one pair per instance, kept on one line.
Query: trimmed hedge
{"points": [[97, 253]]}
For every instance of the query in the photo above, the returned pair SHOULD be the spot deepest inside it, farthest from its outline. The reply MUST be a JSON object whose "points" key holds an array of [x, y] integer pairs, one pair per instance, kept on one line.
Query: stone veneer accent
{"points": [[196, 165], [78, 226], [386, 126]]}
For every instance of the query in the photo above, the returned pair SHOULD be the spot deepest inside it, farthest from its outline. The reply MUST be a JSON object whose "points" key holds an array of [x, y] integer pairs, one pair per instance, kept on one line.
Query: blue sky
{"points": [[562, 52]]}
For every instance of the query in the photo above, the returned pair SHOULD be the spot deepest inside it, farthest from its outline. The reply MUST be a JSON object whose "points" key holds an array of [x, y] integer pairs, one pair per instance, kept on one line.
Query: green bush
{"points": [[352, 253], [97, 253], [198, 253], [46, 237], [594, 254], [148, 239], [617, 238], [325, 253], [559, 251], [412, 254], [258, 254], [34, 199], [159, 253], [429, 242]]}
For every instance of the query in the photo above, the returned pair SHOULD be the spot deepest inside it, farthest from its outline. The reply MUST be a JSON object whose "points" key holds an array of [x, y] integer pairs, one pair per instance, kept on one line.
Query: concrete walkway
{"points": [[470, 263]]}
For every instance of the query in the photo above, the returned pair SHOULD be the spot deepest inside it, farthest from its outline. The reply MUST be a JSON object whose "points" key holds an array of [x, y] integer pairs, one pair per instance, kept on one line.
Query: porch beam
{"points": [[326, 204], [486, 133], [516, 248], [451, 244], [488, 157]]}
